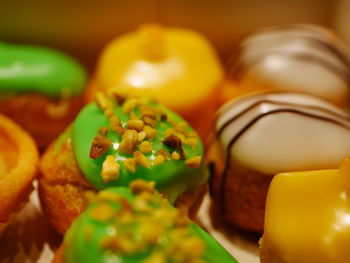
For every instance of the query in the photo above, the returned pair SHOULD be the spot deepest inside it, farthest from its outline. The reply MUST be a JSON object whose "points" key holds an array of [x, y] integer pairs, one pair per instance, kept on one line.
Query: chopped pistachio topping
{"points": [[172, 141], [135, 125], [147, 223], [158, 160], [141, 159], [137, 136], [129, 142], [141, 136], [99, 146], [110, 169], [194, 162], [130, 165], [150, 132], [175, 156], [145, 147]]}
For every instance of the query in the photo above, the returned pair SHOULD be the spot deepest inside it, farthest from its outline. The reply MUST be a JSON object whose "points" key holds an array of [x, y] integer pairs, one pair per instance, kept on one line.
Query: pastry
{"points": [[40, 89], [114, 141], [301, 58], [176, 66], [137, 224], [18, 167], [260, 135], [307, 217]]}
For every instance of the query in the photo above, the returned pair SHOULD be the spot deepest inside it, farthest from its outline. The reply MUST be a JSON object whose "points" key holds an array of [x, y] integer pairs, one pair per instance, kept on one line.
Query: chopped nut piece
{"points": [[141, 205], [141, 136], [181, 128], [130, 165], [102, 213], [150, 120], [194, 162], [163, 153], [141, 159], [119, 98], [133, 116], [139, 186], [110, 169], [163, 117], [102, 101], [172, 141], [129, 142], [111, 243], [175, 156], [135, 125], [103, 131], [109, 113], [129, 105], [114, 123], [99, 146], [150, 132], [192, 142], [145, 147], [107, 196], [158, 160], [150, 231]]}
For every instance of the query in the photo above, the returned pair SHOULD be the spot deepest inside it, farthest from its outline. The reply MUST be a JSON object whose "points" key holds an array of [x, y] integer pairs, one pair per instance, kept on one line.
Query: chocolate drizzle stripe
{"points": [[232, 119], [247, 127]]}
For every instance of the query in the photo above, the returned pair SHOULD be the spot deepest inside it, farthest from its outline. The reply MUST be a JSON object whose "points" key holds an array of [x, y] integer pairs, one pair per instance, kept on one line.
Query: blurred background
{"points": [[82, 28]]}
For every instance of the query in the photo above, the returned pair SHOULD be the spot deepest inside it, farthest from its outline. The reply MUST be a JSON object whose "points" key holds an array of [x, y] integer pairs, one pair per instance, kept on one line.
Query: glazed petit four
{"points": [[18, 166], [137, 224], [113, 142], [307, 217], [176, 66], [40, 89], [302, 58], [260, 135]]}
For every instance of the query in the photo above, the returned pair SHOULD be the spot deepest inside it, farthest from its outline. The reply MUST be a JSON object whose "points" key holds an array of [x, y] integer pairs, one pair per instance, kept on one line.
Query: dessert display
{"points": [[176, 66], [18, 167], [40, 89], [263, 134], [307, 217], [137, 224], [113, 142], [302, 58]]}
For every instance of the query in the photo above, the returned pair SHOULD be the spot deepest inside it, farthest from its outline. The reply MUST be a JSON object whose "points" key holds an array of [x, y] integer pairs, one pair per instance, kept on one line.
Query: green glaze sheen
{"points": [[80, 249], [40, 70], [172, 178]]}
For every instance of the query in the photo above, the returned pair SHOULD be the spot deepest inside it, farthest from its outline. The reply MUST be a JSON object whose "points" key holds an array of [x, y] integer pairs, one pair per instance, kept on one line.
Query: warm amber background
{"points": [[83, 27]]}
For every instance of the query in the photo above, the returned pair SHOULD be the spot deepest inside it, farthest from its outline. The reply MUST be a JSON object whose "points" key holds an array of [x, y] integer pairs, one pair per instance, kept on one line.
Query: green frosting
{"points": [[40, 70], [173, 177], [97, 239]]}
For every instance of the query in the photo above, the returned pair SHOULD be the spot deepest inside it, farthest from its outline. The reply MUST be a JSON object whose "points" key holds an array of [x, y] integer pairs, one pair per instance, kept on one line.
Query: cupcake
{"points": [[176, 66], [301, 58], [18, 167], [307, 217], [113, 142], [260, 135], [137, 224], [40, 89]]}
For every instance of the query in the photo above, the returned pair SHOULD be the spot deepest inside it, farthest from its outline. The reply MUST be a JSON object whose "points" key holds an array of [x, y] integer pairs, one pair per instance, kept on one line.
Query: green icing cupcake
{"points": [[117, 140], [25, 68], [136, 224]]}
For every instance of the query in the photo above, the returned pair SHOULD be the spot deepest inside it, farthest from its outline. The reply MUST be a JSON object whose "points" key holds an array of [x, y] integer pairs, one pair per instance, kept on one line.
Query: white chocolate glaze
{"points": [[300, 58], [277, 132]]}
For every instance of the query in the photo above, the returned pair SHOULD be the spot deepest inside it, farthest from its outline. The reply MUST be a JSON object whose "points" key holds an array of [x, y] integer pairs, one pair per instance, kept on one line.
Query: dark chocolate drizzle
{"points": [[252, 123], [310, 107]]}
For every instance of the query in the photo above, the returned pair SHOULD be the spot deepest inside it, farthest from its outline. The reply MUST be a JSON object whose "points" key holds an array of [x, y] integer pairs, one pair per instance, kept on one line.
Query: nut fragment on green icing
{"points": [[136, 224], [147, 141], [25, 68]]}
